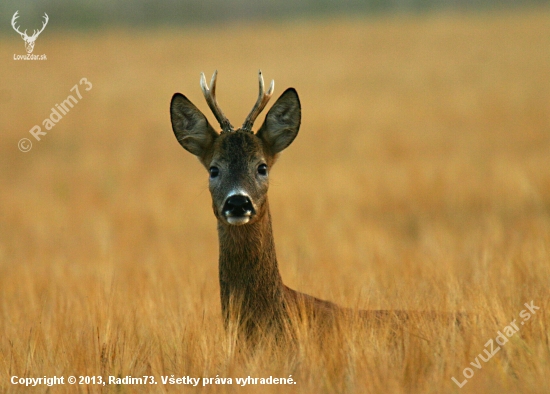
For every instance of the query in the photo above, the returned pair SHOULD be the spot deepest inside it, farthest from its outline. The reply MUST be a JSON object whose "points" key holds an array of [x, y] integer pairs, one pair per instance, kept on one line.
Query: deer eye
{"points": [[214, 172], [262, 169]]}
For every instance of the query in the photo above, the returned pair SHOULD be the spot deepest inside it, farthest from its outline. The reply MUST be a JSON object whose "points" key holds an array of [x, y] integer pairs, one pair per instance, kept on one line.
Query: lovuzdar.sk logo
{"points": [[29, 40]]}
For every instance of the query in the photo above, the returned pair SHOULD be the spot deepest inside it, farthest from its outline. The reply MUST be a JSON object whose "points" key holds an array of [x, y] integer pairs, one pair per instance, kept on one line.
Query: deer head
{"points": [[238, 161], [29, 41]]}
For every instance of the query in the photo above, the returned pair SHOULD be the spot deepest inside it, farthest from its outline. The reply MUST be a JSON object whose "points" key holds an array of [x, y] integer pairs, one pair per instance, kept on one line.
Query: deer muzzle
{"points": [[238, 209]]}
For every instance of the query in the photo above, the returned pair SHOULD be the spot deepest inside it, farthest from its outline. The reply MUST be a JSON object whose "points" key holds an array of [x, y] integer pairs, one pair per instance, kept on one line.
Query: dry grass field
{"points": [[420, 180]]}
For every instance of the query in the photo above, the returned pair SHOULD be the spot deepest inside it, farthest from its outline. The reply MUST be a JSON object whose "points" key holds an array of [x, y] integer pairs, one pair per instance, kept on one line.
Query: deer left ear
{"points": [[190, 127], [282, 122]]}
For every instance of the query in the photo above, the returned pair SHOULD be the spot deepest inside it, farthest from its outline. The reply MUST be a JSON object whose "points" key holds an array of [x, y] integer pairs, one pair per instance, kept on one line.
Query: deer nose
{"points": [[237, 201], [238, 205]]}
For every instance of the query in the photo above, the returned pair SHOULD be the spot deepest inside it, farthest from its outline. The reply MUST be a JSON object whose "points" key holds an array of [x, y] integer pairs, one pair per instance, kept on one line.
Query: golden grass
{"points": [[420, 179]]}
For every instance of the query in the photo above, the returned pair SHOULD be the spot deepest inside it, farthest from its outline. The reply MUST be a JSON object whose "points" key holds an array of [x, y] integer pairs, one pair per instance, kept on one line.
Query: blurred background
{"points": [[82, 14], [420, 177]]}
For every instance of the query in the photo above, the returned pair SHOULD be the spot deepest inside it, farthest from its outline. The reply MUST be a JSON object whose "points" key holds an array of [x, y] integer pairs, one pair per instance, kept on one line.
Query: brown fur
{"points": [[251, 288]]}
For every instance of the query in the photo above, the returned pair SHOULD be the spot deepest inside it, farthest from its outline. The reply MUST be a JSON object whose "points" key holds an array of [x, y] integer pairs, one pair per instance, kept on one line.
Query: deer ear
{"points": [[191, 127], [282, 122]]}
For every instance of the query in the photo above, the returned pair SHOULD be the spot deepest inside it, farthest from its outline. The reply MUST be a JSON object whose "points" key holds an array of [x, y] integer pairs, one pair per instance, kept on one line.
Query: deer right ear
{"points": [[282, 122], [191, 127]]}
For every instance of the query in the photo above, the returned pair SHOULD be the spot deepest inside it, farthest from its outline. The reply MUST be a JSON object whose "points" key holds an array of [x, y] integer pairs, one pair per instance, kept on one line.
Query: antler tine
{"points": [[36, 33], [13, 21], [262, 101], [213, 83], [210, 96], [14, 18], [46, 19]]}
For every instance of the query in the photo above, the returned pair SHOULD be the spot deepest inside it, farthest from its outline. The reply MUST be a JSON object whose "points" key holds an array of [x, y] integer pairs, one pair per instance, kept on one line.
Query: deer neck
{"points": [[248, 270]]}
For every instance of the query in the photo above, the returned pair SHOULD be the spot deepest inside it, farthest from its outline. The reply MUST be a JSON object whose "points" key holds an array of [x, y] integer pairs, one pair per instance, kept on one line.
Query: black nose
{"points": [[237, 201], [238, 205]]}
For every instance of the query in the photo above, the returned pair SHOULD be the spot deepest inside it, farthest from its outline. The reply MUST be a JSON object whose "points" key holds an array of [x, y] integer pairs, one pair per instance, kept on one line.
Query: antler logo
{"points": [[29, 41]]}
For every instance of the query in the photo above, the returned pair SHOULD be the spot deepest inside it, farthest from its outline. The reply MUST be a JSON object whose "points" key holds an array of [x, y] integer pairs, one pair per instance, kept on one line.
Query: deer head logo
{"points": [[29, 41]]}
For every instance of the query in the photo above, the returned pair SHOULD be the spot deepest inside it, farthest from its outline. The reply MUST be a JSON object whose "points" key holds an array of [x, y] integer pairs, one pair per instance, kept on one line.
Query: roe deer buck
{"points": [[239, 163]]}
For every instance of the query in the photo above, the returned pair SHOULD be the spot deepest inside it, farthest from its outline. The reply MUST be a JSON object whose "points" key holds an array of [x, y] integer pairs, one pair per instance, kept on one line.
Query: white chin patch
{"points": [[238, 220]]}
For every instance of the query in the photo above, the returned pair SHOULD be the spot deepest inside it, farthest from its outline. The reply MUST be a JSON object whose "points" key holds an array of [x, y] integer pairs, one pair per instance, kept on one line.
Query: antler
{"points": [[24, 34], [210, 96], [263, 98], [46, 19], [15, 16]]}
